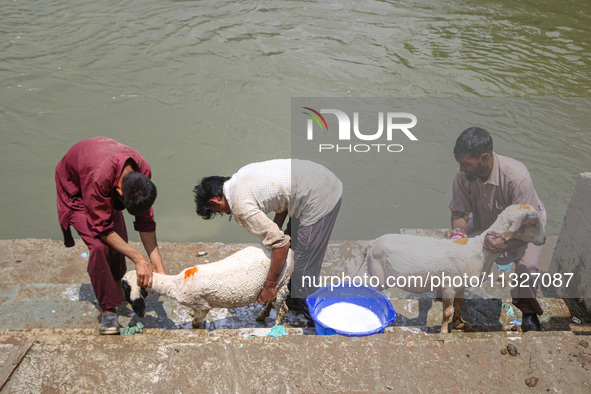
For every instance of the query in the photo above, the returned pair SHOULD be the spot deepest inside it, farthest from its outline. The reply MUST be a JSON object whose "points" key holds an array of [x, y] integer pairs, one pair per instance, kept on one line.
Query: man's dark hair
{"points": [[211, 186], [473, 141], [139, 193]]}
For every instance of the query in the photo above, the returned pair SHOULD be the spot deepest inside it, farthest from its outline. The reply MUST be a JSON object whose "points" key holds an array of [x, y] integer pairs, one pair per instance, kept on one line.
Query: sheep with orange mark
{"points": [[229, 283], [423, 258]]}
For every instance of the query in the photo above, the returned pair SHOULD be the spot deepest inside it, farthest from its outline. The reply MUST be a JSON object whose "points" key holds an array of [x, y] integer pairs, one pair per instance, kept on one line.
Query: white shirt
{"points": [[307, 190]]}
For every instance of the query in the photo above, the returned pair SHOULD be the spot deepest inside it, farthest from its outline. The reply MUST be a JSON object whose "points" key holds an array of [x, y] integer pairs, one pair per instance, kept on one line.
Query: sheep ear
{"points": [[126, 290], [516, 224]]}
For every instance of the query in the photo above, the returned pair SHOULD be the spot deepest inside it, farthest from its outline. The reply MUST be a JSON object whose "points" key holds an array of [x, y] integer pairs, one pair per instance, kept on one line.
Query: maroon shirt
{"points": [[86, 178]]}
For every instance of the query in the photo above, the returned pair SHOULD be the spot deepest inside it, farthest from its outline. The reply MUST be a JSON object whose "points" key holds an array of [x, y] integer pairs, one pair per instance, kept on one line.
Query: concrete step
{"points": [[189, 361], [74, 305]]}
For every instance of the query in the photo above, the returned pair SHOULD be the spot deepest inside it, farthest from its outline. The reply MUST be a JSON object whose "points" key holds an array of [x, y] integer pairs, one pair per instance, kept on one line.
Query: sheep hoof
{"points": [[261, 316], [265, 313], [196, 323]]}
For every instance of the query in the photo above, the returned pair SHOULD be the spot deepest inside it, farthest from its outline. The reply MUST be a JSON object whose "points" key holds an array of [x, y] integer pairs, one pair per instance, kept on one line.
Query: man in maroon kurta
{"points": [[90, 191]]}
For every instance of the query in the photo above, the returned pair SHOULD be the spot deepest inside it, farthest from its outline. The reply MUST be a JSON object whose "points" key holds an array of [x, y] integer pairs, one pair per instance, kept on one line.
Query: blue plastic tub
{"points": [[363, 296]]}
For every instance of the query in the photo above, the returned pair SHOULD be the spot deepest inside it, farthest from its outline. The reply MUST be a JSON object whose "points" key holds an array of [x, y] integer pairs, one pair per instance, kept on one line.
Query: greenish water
{"points": [[204, 87]]}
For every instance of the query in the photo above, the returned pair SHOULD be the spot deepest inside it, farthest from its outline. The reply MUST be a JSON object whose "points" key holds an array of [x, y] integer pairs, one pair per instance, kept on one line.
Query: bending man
{"points": [[96, 179], [301, 189]]}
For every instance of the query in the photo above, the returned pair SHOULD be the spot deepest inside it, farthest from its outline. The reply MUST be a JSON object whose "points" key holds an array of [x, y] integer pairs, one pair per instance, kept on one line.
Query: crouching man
{"points": [[96, 179], [300, 189], [485, 184]]}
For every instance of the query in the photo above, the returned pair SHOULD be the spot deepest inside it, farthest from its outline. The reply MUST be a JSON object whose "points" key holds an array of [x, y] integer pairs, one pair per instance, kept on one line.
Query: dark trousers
{"points": [[309, 249], [524, 298], [106, 266]]}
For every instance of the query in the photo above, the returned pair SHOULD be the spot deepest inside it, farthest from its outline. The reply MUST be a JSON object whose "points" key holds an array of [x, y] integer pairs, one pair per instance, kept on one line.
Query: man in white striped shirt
{"points": [[296, 188]]}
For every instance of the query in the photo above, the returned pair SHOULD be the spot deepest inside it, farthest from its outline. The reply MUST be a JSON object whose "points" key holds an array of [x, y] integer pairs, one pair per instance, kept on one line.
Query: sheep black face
{"points": [[134, 294]]}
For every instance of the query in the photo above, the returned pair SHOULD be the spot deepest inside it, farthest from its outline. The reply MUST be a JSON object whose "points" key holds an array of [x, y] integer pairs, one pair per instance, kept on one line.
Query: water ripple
{"points": [[209, 80]]}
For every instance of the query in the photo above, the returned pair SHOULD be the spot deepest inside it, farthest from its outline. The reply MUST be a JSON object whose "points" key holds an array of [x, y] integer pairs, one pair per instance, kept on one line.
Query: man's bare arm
{"points": [[269, 291], [142, 266], [151, 246]]}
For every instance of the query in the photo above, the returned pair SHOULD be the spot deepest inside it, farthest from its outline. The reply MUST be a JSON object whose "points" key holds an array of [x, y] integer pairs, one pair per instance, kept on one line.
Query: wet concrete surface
{"points": [[45, 298], [182, 361]]}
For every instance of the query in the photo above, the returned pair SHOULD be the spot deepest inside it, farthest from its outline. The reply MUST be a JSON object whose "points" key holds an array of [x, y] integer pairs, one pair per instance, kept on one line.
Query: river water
{"points": [[204, 87]]}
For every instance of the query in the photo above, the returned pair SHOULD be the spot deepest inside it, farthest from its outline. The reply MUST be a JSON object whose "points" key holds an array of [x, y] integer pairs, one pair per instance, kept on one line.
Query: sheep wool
{"points": [[232, 282], [421, 258]]}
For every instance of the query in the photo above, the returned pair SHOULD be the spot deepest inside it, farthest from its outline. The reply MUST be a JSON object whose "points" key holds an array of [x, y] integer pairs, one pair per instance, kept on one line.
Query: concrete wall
{"points": [[573, 250]]}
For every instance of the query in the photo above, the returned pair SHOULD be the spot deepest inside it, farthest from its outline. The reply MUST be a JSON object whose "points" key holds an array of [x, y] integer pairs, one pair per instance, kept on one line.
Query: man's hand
{"points": [[142, 265], [493, 242], [455, 234], [459, 223], [269, 292], [144, 272]]}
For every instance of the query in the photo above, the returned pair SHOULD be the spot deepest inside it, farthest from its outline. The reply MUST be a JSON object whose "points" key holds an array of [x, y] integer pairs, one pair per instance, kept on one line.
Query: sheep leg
{"points": [[447, 312], [375, 268], [457, 318], [280, 305], [281, 309], [198, 317], [265, 313]]}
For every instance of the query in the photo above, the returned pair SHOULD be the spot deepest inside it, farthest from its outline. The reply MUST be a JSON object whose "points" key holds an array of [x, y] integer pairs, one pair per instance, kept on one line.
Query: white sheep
{"points": [[419, 259], [229, 283]]}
